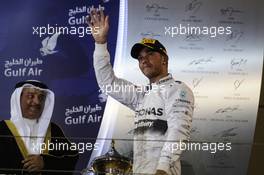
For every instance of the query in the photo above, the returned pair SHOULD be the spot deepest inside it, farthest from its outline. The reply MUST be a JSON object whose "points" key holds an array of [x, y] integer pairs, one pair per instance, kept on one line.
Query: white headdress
{"points": [[24, 126]]}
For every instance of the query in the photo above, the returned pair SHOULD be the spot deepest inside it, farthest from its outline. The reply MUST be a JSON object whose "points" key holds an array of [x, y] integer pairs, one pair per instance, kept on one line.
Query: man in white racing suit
{"points": [[163, 112]]}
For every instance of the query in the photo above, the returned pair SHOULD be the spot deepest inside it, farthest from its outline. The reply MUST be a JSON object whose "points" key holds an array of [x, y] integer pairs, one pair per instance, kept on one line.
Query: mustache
{"points": [[35, 106], [146, 65]]}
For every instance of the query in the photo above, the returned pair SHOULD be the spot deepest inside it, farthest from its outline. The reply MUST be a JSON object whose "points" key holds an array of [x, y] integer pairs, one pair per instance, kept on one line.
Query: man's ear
{"points": [[164, 59]]}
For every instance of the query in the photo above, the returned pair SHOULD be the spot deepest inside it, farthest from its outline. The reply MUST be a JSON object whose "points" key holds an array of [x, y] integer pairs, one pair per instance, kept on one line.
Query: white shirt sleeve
{"points": [[110, 84]]}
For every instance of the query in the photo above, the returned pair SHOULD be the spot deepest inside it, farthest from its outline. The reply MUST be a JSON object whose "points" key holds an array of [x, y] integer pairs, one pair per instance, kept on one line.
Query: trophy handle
{"points": [[87, 171]]}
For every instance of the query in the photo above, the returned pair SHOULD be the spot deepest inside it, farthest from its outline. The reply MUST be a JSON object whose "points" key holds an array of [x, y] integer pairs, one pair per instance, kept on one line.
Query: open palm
{"points": [[99, 24]]}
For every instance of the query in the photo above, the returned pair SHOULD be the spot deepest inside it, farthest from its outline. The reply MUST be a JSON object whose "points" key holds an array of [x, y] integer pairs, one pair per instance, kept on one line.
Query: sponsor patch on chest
{"points": [[150, 111]]}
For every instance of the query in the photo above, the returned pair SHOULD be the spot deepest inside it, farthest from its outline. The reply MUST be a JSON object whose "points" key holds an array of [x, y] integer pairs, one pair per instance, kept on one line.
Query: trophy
{"points": [[111, 163]]}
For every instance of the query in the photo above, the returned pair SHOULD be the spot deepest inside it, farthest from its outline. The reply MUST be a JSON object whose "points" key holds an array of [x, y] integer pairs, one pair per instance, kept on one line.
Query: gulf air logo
{"points": [[49, 44]]}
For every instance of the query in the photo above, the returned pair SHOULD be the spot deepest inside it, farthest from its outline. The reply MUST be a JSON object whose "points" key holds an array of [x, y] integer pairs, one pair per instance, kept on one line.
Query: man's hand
{"points": [[161, 172], [33, 163], [99, 24]]}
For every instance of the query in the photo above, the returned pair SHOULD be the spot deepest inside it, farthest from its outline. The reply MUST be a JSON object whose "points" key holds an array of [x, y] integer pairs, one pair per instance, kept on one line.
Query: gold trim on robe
{"points": [[20, 142]]}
